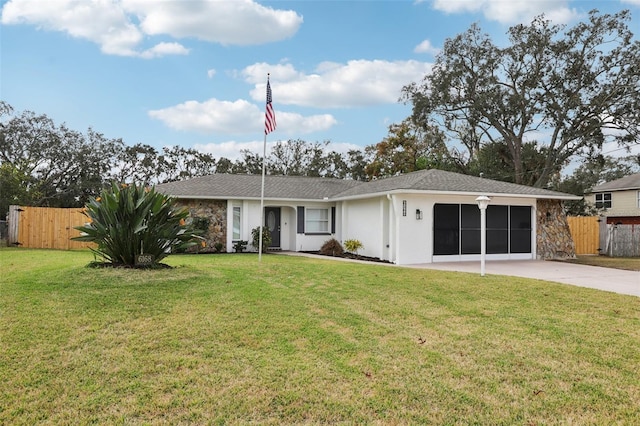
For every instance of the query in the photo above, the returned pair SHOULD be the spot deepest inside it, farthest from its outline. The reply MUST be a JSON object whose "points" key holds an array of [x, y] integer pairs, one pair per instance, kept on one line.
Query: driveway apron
{"points": [[607, 279]]}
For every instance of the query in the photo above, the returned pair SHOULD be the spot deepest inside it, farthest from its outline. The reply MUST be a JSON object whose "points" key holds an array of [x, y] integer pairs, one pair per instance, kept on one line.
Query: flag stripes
{"points": [[270, 115]]}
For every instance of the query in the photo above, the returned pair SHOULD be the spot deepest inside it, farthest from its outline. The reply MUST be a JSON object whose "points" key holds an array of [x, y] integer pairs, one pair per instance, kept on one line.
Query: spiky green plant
{"points": [[353, 245], [132, 220]]}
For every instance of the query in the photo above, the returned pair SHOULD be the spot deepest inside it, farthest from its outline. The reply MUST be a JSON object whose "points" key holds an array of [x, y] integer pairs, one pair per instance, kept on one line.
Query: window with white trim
{"points": [[316, 221], [603, 200], [237, 230]]}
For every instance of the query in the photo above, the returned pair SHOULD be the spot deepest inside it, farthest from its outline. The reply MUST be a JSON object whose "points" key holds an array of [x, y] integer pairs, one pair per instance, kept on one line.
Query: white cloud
{"points": [[336, 85], [426, 47], [634, 2], [163, 49], [120, 26], [287, 121], [231, 149], [210, 116], [510, 12], [238, 22], [238, 117], [458, 6], [211, 73], [102, 22], [257, 73], [357, 83]]}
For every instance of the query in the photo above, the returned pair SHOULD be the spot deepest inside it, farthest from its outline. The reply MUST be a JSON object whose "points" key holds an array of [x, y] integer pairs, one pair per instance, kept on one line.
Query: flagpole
{"points": [[264, 156], [269, 126]]}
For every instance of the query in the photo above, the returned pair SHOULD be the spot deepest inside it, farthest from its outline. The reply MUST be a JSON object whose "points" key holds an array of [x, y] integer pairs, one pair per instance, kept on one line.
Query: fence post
{"points": [[604, 235], [13, 220]]}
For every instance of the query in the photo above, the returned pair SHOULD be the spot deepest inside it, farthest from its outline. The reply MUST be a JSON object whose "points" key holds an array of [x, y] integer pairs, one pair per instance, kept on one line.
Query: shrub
{"points": [[332, 247], [240, 246], [353, 246], [266, 238], [129, 220]]}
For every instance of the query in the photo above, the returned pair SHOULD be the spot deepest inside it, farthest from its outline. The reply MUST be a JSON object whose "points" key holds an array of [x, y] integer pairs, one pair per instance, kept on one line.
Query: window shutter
{"points": [[300, 220], [333, 220]]}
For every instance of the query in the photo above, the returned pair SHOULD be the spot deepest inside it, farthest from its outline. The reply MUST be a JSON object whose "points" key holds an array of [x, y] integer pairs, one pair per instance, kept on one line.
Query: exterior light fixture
{"points": [[483, 203], [418, 214]]}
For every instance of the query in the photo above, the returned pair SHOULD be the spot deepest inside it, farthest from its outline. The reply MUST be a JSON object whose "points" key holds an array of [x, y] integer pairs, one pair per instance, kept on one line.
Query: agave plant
{"points": [[131, 222]]}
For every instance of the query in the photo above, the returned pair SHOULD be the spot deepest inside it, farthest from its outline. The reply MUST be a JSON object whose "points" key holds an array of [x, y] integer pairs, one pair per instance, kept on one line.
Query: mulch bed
{"points": [[347, 255]]}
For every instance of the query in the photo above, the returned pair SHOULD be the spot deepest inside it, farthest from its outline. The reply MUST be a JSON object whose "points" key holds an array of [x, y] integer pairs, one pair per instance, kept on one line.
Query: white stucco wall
{"points": [[414, 235], [363, 220], [289, 238], [385, 233], [378, 223]]}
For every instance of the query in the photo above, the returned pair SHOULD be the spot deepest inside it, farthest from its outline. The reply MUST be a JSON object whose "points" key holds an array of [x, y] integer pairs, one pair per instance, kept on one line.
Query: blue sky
{"points": [[193, 72]]}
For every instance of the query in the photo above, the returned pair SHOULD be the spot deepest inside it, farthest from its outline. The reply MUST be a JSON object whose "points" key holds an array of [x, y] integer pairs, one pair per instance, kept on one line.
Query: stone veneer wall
{"points": [[216, 212], [554, 237]]}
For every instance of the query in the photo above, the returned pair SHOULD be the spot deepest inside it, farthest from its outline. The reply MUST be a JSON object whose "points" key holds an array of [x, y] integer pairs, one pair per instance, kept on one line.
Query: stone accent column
{"points": [[215, 211], [554, 239]]}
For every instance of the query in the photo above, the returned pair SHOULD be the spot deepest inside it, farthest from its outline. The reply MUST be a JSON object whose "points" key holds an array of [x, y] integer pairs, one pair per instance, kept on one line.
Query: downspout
{"points": [[392, 229], [534, 231]]}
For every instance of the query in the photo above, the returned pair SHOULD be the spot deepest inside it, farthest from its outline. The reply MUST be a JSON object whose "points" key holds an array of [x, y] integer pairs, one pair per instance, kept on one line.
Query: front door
{"points": [[272, 222]]}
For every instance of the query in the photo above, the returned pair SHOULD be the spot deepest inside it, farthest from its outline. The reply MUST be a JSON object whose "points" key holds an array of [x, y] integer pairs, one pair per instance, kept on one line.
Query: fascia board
{"points": [[489, 194], [280, 199]]}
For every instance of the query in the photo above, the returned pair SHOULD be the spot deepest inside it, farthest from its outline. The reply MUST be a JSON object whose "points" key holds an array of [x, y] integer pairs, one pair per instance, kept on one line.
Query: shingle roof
{"points": [[442, 181], [627, 182], [249, 186], [224, 186]]}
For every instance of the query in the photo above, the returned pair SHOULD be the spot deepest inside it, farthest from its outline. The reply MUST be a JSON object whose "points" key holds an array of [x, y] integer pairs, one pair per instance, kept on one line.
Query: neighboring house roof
{"points": [[622, 184], [224, 186]]}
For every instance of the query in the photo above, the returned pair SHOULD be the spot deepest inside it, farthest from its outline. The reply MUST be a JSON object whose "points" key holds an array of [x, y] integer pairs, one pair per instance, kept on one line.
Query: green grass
{"points": [[628, 263], [221, 339]]}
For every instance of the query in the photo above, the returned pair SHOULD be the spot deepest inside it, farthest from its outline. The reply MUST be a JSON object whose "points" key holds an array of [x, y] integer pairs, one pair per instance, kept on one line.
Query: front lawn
{"points": [[222, 339], [628, 263]]}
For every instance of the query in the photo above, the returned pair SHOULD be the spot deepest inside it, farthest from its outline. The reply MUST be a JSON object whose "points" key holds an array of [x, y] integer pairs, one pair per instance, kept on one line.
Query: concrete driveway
{"points": [[607, 279]]}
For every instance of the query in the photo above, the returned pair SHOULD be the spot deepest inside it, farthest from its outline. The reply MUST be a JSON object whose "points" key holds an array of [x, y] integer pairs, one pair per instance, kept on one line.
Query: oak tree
{"points": [[571, 89]]}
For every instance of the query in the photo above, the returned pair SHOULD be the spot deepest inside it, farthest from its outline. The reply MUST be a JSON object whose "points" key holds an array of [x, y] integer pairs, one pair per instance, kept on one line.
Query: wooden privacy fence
{"points": [[592, 235], [621, 240], [585, 231], [45, 227]]}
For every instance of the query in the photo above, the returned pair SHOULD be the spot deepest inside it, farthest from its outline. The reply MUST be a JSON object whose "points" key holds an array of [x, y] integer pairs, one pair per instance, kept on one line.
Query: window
{"points": [[498, 228], [456, 229], [603, 200], [236, 224], [638, 194], [470, 229], [520, 229], [316, 221], [446, 229]]}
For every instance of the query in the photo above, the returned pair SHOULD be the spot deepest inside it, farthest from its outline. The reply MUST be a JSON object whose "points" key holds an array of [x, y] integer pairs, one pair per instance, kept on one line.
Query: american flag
{"points": [[270, 116]]}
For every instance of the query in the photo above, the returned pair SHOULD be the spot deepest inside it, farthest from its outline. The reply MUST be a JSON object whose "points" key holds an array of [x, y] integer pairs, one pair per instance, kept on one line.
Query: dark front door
{"points": [[272, 222]]}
